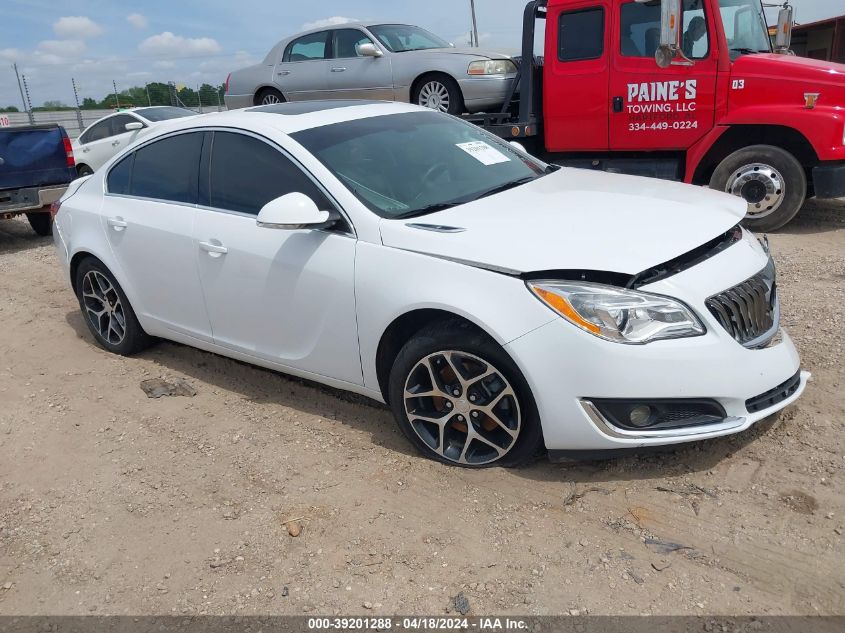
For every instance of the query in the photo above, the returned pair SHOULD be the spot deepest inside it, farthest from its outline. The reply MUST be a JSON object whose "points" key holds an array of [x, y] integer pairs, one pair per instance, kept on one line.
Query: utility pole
{"points": [[199, 98], [28, 101], [116, 98], [23, 99], [474, 34], [147, 88], [78, 109]]}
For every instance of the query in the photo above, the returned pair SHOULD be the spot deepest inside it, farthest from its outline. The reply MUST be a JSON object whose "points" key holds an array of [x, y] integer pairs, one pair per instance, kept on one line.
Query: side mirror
{"points": [[369, 49], [670, 33], [292, 211], [135, 125], [783, 38]]}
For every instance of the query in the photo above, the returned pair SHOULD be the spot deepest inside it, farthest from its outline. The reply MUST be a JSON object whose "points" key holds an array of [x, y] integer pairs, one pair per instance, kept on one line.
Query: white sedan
{"points": [[112, 134], [499, 305]]}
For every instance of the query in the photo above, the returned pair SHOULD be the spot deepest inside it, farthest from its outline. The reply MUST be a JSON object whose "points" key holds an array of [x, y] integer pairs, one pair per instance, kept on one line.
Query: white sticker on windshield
{"points": [[483, 153]]}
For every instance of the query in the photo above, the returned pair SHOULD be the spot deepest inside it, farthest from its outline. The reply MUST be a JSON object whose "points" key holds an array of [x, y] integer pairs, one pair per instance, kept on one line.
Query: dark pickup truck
{"points": [[36, 165]]}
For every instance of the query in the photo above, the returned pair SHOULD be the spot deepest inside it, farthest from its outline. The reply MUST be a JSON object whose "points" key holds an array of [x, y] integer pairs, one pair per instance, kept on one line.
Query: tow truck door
{"points": [[655, 108], [575, 75]]}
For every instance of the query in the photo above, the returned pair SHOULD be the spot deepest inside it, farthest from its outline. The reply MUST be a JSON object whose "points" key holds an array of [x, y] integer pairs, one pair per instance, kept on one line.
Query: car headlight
{"points": [[618, 314], [491, 67]]}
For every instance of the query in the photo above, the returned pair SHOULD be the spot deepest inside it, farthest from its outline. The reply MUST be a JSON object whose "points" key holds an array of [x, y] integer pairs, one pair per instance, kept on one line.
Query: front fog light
{"points": [[639, 415]]}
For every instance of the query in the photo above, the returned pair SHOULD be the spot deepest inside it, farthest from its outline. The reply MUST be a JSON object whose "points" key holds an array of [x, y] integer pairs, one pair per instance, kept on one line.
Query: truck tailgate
{"points": [[33, 156]]}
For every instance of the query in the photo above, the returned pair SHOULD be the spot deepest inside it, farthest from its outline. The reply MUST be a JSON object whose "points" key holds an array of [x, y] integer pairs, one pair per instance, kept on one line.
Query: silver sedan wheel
{"points": [[103, 307], [270, 98], [761, 186], [462, 407], [434, 95]]}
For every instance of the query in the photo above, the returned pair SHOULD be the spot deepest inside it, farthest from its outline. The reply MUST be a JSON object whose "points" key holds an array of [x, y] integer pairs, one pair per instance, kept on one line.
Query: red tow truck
{"points": [[689, 90]]}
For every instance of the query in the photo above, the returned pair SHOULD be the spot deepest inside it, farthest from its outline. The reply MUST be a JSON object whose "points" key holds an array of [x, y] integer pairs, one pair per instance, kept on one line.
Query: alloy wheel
{"points": [[103, 307], [270, 98], [434, 95], [761, 186], [462, 407]]}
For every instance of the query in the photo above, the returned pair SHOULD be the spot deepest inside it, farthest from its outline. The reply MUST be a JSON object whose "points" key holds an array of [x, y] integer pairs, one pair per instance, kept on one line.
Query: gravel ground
{"points": [[264, 494]]}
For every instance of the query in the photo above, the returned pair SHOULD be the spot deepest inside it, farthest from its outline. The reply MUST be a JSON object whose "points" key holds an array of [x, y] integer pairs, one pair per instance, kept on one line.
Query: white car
{"points": [[114, 133], [498, 304]]}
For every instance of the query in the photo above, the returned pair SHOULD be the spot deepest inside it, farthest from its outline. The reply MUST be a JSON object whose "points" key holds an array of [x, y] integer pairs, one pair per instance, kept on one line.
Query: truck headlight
{"points": [[618, 314], [491, 67]]}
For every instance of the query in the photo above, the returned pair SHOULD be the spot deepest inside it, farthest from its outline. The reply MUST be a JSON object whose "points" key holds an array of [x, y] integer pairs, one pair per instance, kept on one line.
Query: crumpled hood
{"points": [[574, 219]]}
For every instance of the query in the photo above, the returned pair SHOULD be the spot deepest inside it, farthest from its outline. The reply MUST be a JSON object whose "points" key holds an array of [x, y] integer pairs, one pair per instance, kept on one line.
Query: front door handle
{"points": [[115, 143], [338, 69], [117, 223], [283, 72], [617, 104], [214, 250]]}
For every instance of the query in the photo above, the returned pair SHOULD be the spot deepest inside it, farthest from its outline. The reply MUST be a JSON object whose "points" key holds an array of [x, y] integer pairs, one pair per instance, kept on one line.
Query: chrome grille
{"points": [[749, 311]]}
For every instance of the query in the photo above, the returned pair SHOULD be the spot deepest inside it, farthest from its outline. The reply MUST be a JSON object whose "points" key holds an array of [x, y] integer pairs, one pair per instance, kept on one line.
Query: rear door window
{"points": [[98, 131], [581, 34], [120, 174], [247, 173], [308, 47], [168, 169]]}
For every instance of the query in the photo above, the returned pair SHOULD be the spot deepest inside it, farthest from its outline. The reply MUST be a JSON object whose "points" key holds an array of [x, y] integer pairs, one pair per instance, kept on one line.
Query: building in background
{"points": [[824, 39]]}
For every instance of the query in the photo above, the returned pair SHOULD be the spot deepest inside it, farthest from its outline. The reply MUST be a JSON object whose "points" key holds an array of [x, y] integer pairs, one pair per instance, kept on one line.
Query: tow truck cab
{"points": [[684, 89]]}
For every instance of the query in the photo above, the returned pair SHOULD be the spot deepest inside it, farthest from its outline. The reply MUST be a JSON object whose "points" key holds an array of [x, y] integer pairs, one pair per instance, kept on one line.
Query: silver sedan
{"points": [[394, 62]]}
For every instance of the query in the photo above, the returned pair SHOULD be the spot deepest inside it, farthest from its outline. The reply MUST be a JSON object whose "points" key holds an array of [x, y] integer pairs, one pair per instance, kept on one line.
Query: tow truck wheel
{"points": [[769, 179], [41, 223]]}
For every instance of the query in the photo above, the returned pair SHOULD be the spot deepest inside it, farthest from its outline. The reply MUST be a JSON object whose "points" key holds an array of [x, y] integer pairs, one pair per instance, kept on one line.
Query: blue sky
{"points": [[191, 42]]}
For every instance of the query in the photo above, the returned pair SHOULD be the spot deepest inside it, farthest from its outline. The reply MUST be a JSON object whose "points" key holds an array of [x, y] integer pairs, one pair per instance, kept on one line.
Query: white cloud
{"points": [[61, 48], [169, 44], [137, 20], [76, 28], [332, 21], [164, 64], [9, 54]]}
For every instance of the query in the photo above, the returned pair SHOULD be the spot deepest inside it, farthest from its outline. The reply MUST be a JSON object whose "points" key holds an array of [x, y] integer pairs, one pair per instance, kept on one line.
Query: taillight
{"points": [[226, 84], [54, 208], [69, 152]]}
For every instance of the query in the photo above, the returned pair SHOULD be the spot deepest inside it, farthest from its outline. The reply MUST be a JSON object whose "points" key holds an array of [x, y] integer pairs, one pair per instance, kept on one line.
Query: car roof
{"points": [[289, 118]]}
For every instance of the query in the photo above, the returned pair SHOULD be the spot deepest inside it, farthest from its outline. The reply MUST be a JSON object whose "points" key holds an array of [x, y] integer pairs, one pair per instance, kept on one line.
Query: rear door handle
{"points": [[283, 72], [338, 69], [118, 223], [115, 143], [86, 150], [215, 250]]}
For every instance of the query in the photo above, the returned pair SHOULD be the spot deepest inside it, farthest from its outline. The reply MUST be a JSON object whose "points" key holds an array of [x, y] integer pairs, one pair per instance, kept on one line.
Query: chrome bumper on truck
{"points": [[15, 201], [829, 180]]}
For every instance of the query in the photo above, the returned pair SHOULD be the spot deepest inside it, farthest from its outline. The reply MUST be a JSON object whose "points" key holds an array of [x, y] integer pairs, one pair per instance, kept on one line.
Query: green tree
{"points": [[9, 109]]}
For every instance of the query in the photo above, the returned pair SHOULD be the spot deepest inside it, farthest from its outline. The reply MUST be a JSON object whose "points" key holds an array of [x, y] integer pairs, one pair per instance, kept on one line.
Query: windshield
{"points": [[745, 27], [398, 38], [163, 113], [404, 165]]}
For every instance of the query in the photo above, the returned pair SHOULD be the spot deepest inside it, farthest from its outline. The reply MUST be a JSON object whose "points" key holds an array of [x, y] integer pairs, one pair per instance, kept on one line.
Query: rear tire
{"points": [[770, 179], [269, 96], [106, 310], [476, 410], [41, 223], [84, 170]]}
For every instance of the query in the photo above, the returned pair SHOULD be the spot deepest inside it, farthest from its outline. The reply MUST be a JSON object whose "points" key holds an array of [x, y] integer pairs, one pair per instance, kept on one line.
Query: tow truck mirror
{"points": [[670, 31], [783, 38]]}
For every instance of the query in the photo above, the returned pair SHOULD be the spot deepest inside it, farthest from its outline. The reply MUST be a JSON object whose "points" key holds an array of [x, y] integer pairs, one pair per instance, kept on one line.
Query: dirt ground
{"points": [[111, 502]]}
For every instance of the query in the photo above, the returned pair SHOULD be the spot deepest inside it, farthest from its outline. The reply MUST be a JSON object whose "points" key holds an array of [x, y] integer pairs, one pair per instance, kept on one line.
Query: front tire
{"points": [[106, 310], [438, 92], [460, 399], [769, 179], [41, 223]]}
